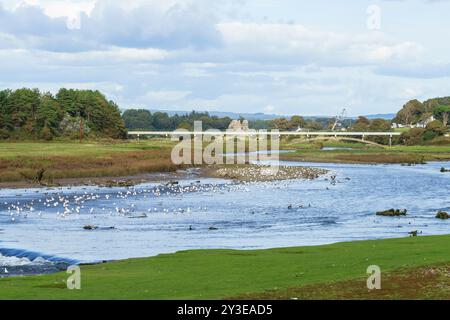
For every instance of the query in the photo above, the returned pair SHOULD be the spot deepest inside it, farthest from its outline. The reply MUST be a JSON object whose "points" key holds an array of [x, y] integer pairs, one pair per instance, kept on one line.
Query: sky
{"points": [[273, 56]]}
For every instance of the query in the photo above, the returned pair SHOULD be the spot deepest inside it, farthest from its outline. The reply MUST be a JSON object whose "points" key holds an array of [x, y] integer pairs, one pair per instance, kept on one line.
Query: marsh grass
{"points": [[24, 161], [361, 153]]}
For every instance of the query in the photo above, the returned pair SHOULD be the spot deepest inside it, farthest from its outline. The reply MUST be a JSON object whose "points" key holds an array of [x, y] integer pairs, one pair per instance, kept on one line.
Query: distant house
{"points": [[420, 124], [238, 126], [424, 123], [397, 125]]}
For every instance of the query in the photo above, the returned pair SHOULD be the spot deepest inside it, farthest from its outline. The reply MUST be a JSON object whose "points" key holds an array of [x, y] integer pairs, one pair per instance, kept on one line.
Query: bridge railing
{"points": [[341, 134], [269, 133]]}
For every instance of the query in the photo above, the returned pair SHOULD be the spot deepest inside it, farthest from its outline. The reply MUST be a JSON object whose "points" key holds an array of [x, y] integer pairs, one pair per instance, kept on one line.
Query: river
{"points": [[45, 226]]}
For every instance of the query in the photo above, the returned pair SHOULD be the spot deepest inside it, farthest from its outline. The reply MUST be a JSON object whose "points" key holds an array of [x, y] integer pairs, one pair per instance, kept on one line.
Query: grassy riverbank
{"points": [[362, 153], [22, 162], [274, 273]]}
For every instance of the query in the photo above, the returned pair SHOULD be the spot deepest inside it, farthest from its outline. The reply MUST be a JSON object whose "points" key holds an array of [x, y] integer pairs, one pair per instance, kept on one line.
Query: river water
{"points": [[41, 227]]}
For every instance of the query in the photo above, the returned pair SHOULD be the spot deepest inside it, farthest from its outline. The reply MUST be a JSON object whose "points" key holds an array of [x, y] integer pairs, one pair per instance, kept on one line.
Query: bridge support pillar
{"points": [[390, 141]]}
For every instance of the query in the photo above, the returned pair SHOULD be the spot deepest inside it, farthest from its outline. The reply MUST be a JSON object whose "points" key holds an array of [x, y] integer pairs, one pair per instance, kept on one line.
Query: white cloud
{"points": [[165, 96], [199, 54], [297, 43], [169, 24]]}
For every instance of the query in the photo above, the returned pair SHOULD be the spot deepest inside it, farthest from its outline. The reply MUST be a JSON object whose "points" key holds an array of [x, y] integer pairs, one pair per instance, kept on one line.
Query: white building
{"points": [[423, 123]]}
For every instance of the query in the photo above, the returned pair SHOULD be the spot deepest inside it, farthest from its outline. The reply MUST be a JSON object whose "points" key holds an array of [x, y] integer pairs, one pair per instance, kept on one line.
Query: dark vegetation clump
{"points": [[392, 213], [34, 176]]}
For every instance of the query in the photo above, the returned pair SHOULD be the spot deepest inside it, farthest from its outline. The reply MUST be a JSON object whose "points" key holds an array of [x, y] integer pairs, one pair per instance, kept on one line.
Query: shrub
{"points": [[437, 127], [440, 141], [4, 134], [46, 134], [413, 136]]}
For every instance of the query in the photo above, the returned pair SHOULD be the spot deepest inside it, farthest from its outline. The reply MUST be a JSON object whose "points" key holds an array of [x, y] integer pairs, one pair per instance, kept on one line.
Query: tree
{"points": [[138, 119], [314, 125], [281, 124], [185, 125], [413, 136], [297, 122], [22, 106], [361, 124], [46, 134], [161, 121], [442, 113], [417, 136], [380, 125], [5, 117], [430, 104], [49, 114], [28, 113], [410, 113]]}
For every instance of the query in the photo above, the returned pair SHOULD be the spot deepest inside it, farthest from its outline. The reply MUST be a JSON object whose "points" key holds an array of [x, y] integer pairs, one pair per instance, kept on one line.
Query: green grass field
{"points": [[10, 150], [220, 274]]}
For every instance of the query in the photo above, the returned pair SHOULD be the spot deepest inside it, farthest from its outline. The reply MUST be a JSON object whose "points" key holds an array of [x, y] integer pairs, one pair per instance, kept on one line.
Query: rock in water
{"points": [[442, 215], [392, 213], [89, 227]]}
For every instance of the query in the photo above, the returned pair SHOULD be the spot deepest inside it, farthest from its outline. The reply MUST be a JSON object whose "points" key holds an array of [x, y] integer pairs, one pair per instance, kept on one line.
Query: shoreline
{"points": [[109, 181], [181, 174], [191, 267], [232, 172], [368, 158], [65, 164], [53, 267]]}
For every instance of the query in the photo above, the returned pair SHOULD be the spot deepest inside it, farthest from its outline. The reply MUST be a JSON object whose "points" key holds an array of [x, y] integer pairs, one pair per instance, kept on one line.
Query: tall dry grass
{"points": [[60, 167]]}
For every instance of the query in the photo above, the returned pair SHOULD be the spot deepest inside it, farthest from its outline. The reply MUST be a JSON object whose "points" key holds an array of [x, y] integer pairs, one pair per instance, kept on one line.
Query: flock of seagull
{"points": [[136, 202], [66, 202], [113, 202]]}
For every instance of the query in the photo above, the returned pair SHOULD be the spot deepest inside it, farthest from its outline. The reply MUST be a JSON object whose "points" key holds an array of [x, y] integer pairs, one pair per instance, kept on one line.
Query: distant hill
{"points": [[265, 116], [248, 116], [232, 115], [386, 116]]}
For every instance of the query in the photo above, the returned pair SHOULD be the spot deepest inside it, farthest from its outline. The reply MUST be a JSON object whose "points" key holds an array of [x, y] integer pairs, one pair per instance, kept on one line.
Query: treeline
{"points": [[31, 114], [428, 120], [433, 133], [414, 111], [145, 120], [74, 114], [299, 123], [363, 124]]}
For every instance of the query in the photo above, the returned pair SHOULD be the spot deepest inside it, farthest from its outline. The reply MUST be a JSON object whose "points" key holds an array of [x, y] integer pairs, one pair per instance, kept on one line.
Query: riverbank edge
{"points": [[166, 177], [183, 274], [367, 158], [180, 173], [93, 164]]}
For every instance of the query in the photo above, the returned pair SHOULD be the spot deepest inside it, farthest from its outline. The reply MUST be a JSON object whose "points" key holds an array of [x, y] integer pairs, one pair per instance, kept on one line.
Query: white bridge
{"points": [[342, 135]]}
